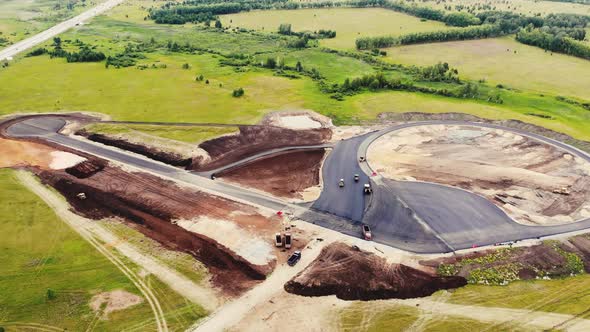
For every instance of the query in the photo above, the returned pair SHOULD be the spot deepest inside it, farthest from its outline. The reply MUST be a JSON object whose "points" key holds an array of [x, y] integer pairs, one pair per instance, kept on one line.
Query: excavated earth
{"points": [[285, 175], [150, 152], [352, 274], [154, 204], [251, 140], [535, 183]]}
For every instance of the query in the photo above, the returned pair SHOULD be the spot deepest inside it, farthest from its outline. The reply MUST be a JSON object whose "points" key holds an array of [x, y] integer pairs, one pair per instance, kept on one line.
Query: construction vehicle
{"points": [[288, 240], [367, 190], [362, 159], [356, 178], [367, 233], [294, 258], [81, 196], [341, 183], [278, 240]]}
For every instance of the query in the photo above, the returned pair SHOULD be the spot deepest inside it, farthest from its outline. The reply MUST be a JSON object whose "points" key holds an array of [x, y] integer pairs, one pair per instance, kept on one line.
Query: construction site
{"points": [[239, 205]]}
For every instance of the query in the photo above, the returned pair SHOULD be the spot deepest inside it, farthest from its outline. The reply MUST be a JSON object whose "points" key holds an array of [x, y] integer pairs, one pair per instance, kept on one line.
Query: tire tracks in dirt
{"points": [[77, 225]]}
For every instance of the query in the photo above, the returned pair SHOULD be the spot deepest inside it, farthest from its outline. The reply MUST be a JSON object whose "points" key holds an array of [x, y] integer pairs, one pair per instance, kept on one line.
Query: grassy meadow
{"points": [[529, 69], [20, 19], [349, 23], [187, 134], [527, 7], [40, 252], [375, 317]]}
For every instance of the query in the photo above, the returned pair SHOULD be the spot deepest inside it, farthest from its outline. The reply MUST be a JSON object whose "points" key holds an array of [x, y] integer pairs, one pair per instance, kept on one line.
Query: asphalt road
{"points": [[23, 45], [348, 201], [414, 216]]}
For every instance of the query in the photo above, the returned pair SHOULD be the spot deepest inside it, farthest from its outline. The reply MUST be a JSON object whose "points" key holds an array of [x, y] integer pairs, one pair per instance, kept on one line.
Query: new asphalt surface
{"points": [[414, 216]]}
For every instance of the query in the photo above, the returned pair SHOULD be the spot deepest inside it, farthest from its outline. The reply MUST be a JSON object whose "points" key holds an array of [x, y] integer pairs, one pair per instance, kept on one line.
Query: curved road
{"points": [[413, 216]]}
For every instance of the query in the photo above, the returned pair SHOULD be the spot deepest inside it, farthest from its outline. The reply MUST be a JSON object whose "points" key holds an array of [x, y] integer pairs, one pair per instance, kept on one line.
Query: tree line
{"points": [[561, 43]]}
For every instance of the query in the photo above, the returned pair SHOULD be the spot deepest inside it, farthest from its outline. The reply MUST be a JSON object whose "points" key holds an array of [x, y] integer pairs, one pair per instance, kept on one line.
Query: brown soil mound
{"points": [[150, 152], [284, 175], [252, 140], [351, 274], [86, 168], [153, 203]]}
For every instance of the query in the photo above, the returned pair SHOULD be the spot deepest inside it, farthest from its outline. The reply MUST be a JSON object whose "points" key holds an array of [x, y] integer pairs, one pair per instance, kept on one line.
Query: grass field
{"points": [[192, 134], [22, 18], [527, 7], [566, 296], [349, 23], [367, 317], [172, 94], [530, 68], [40, 252]]}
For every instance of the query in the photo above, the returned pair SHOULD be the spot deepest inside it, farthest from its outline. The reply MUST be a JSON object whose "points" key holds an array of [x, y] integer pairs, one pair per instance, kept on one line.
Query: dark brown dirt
{"points": [[152, 203], [251, 140], [284, 175], [517, 124], [150, 152], [351, 274], [86, 168]]}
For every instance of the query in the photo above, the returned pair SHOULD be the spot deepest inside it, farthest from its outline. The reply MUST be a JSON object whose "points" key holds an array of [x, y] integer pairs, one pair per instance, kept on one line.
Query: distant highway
{"points": [[23, 45], [414, 216]]}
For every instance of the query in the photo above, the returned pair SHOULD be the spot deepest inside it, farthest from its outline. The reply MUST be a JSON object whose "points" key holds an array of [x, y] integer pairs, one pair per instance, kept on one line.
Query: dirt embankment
{"points": [[500, 266], [153, 204], [251, 140], [285, 175], [534, 182], [352, 274], [150, 152]]}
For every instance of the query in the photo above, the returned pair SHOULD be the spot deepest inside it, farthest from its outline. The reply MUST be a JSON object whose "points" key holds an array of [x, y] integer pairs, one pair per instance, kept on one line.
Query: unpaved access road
{"points": [[23, 45]]}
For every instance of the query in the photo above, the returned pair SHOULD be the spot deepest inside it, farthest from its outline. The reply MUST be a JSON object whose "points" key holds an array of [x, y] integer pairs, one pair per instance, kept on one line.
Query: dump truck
{"points": [[278, 240], [288, 240]]}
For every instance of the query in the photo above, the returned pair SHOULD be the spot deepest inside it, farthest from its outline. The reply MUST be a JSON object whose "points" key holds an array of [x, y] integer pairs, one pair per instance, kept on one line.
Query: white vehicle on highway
{"points": [[341, 183]]}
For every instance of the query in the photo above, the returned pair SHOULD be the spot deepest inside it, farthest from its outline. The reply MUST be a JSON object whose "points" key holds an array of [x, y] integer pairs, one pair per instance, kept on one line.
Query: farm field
{"points": [[62, 272], [530, 68], [20, 19], [349, 23], [527, 7]]}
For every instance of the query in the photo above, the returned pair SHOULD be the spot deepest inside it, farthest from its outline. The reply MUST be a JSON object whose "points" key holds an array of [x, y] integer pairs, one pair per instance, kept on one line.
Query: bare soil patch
{"points": [[252, 140], [153, 204], [535, 183], [108, 302], [286, 175], [22, 153], [352, 274]]}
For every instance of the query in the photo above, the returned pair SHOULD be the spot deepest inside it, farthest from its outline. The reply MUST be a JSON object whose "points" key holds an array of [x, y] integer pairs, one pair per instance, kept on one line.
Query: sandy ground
{"points": [[63, 160], [298, 120], [21, 153], [113, 301], [249, 246], [534, 183]]}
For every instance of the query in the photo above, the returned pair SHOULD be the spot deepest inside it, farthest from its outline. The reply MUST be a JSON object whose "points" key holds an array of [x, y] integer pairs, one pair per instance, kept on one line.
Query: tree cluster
{"points": [[554, 43]]}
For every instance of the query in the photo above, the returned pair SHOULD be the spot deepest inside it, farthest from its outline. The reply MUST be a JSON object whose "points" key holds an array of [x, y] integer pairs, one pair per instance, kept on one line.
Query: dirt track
{"points": [[535, 183], [285, 175], [352, 274]]}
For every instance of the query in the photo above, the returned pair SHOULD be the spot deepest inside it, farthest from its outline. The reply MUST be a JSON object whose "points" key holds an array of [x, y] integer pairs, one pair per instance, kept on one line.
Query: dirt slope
{"points": [[285, 175], [352, 274]]}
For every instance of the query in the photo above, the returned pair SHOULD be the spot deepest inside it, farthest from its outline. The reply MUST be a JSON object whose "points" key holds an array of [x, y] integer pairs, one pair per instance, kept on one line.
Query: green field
{"points": [[566, 296], [192, 134], [40, 252], [367, 317], [21, 18], [527, 7], [494, 60], [349, 23]]}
